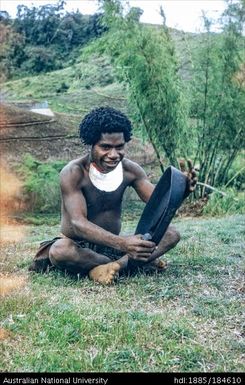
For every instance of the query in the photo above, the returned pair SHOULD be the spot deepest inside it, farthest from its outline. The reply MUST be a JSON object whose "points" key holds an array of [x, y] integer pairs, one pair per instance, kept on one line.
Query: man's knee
{"points": [[174, 235], [60, 250]]}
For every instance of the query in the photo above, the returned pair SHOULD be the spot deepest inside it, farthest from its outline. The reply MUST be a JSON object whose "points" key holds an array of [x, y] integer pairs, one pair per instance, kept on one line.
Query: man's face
{"points": [[108, 151]]}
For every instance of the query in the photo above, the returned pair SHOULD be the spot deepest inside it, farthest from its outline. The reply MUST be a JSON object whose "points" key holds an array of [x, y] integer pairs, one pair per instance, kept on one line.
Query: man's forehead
{"points": [[112, 137]]}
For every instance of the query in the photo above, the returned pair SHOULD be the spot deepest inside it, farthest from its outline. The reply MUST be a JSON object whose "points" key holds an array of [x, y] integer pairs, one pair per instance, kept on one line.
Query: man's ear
{"points": [[89, 148]]}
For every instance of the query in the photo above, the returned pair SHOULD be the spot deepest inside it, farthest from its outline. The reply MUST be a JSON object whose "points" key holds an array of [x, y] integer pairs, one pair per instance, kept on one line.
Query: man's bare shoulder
{"points": [[133, 168], [73, 172]]}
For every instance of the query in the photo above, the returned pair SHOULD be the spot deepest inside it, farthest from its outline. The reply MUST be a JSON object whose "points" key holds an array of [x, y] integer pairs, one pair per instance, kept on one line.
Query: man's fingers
{"points": [[147, 244], [140, 259], [194, 181], [194, 175], [143, 255], [145, 250], [142, 249], [189, 172], [190, 165], [182, 165]]}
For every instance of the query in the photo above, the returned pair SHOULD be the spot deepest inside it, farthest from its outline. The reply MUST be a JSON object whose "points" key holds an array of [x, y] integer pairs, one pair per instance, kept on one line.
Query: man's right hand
{"points": [[137, 248]]}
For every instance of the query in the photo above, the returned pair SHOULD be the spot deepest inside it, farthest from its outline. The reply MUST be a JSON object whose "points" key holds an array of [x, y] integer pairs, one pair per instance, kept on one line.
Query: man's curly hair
{"points": [[104, 120]]}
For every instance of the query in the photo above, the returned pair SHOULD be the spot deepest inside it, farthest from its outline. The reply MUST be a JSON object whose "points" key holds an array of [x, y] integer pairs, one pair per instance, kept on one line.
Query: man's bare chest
{"points": [[100, 201]]}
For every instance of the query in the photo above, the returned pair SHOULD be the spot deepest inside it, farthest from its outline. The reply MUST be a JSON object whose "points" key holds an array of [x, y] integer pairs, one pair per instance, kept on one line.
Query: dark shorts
{"points": [[42, 263]]}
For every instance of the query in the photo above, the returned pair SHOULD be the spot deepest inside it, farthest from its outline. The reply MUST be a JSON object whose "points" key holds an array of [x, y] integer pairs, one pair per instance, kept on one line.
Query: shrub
{"points": [[62, 88], [41, 184], [40, 59], [230, 203], [236, 174]]}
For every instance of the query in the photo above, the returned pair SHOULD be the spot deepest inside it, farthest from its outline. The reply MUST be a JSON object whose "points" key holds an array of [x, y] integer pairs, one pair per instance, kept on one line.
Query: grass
{"points": [[186, 319]]}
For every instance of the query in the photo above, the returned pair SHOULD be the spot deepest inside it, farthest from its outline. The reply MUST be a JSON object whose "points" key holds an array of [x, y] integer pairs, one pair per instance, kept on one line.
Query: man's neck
{"points": [[97, 167], [106, 181]]}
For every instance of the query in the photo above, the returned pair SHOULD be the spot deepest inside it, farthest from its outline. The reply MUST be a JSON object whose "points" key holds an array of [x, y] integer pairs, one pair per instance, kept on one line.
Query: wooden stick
{"points": [[212, 188]]}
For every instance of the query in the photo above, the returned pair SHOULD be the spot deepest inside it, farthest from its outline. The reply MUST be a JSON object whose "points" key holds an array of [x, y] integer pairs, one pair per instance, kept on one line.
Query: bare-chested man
{"points": [[92, 190]]}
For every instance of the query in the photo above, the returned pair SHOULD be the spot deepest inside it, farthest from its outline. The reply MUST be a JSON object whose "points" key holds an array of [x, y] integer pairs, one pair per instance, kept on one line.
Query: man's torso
{"points": [[103, 208]]}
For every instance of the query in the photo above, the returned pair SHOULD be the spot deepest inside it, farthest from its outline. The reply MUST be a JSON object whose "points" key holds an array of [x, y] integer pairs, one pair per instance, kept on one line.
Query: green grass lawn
{"points": [[188, 318]]}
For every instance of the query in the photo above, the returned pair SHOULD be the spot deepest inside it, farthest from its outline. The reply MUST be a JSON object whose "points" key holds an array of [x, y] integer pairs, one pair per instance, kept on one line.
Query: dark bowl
{"points": [[165, 200]]}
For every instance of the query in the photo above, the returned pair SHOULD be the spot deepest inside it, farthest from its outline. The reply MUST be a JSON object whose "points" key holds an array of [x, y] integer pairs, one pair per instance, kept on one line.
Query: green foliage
{"points": [[230, 203], [91, 83], [38, 219], [62, 88], [236, 174], [41, 184], [45, 38], [145, 60], [40, 59], [218, 99], [11, 50]]}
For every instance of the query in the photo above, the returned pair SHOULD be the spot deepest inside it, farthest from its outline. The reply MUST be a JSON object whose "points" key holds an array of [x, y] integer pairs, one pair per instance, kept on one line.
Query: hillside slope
{"points": [[50, 138], [73, 90], [90, 82], [70, 93]]}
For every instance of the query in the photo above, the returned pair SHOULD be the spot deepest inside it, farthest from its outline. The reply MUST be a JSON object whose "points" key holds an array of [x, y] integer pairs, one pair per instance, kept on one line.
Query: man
{"points": [[92, 189]]}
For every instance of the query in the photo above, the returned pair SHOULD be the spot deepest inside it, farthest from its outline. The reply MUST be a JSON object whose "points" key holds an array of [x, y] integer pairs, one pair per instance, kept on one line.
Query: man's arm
{"points": [[76, 208], [144, 187], [141, 184]]}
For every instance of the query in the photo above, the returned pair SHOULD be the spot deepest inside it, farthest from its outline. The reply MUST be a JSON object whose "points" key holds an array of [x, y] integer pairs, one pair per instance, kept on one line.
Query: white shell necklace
{"points": [[109, 181]]}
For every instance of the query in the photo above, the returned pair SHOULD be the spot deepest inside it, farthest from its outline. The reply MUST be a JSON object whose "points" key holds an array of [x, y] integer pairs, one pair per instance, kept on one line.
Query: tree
{"points": [[4, 17], [38, 24], [11, 50], [49, 28], [144, 59], [218, 98], [40, 59]]}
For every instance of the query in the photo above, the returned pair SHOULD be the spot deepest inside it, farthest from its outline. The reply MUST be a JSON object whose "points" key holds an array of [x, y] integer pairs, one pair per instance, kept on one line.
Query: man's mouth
{"points": [[112, 163]]}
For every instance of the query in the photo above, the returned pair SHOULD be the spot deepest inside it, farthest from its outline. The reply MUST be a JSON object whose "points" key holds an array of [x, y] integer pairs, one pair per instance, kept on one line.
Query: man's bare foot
{"points": [[156, 266], [160, 264], [105, 274]]}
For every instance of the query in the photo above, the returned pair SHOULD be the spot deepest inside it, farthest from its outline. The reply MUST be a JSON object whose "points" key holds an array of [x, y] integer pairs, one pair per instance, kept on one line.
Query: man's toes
{"points": [[115, 276], [162, 264], [113, 272], [115, 267], [102, 280], [108, 280], [105, 274]]}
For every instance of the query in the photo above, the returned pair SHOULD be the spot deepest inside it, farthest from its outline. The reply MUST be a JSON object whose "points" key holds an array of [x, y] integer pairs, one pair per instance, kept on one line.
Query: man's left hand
{"points": [[190, 173]]}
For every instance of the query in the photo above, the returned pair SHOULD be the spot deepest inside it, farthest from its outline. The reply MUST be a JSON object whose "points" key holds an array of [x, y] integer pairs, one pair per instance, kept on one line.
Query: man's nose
{"points": [[113, 154]]}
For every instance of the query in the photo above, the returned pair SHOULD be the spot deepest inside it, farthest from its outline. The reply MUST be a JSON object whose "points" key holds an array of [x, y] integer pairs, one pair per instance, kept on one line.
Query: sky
{"points": [[180, 14]]}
